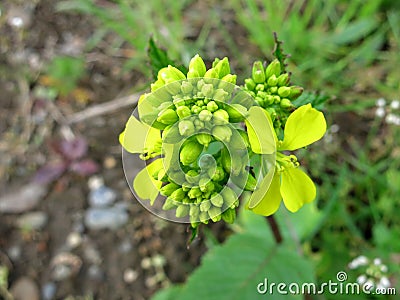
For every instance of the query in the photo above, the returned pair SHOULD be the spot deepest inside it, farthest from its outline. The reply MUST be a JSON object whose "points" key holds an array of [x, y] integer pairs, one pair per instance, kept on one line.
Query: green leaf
{"points": [[354, 31], [159, 59], [317, 100], [235, 269]]}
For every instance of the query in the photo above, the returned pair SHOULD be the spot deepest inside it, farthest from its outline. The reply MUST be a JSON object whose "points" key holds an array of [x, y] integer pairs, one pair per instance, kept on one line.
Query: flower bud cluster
{"points": [[271, 89]]}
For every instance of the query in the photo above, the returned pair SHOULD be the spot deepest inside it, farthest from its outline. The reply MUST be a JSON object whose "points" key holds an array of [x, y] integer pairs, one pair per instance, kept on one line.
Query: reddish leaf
{"points": [[84, 167], [50, 172], [74, 149]]}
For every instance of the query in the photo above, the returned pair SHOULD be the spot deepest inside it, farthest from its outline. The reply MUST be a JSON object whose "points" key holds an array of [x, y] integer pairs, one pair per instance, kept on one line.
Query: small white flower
{"points": [[384, 268], [380, 102], [377, 261], [361, 279], [369, 283], [395, 104], [335, 128], [384, 282], [380, 112], [392, 119]]}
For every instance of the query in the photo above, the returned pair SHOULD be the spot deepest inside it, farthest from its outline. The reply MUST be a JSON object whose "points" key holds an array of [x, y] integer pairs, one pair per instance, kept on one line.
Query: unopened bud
{"points": [[221, 117], [190, 152], [250, 84], [258, 73], [205, 115], [186, 87], [217, 200], [206, 185], [230, 78], [169, 204], [183, 112], [167, 116], [186, 128], [229, 216], [178, 195], [217, 175], [286, 103], [295, 92], [205, 205], [182, 210], [194, 193], [207, 90], [236, 112], [230, 197], [251, 183], [284, 91], [197, 64], [215, 213], [168, 189], [204, 139], [211, 73], [272, 80], [212, 106], [223, 133], [194, 211], [283, 79], [220, 95], [274, 68], [222, 67]]}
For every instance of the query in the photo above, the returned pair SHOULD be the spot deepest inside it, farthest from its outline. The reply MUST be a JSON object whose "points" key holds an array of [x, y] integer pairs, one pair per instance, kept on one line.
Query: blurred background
{"points": [[70, 73]]}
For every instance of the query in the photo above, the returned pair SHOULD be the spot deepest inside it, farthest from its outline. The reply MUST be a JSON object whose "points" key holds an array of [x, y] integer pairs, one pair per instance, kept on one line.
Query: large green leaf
{"points": [[235, 269]]}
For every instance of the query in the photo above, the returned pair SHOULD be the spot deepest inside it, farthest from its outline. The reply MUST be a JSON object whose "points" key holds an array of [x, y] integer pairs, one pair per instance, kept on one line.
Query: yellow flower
{"points": [[286, 181]]}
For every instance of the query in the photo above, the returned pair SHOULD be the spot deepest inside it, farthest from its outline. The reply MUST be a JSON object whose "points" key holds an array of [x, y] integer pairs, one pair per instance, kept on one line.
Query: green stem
{"points": [[275, 229]]}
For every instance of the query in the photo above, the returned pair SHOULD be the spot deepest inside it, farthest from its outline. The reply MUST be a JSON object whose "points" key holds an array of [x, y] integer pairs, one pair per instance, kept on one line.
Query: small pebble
{"points": [[102, 196], [65, 265], [105, 218], [25, 289], [14, 252], [95, 272], [125, 246], [74, 239], [130, 275], [32, 220], [95, 182], [49, 290]]}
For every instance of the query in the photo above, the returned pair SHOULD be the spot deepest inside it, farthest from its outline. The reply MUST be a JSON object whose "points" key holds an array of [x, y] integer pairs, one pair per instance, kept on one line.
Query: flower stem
{"points": [[275, 229]]}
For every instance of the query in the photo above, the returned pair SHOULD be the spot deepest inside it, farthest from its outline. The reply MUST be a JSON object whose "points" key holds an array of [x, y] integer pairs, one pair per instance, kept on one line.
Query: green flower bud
{"points": [[221, 117], [222, 67], [186, 128], [295, 92], [268, 100], [162, 175], [250, 84], [215, 62], [272, 81], [169, 204], [211, 73], [272, 113], [182, 211], [260, 101], [199, 124], [205, 115], [186, 87], [251, 183], [168, 189], [215, 213], [223, 133], [192, 74], [220, 95], [204, 139], [195, 109], [183, 112], [206, 185], [190, 152], [212, 106], [157, 84], [217, 175], [258, 72], [260, 87], [197, 64], [207, 90], [167, 116], [151, 119], [205, 205], [273, 90], [217, 200], [284, 91], [230, 197], [229, 216], [186, 186], [204, 217], [194, 211], [236, 112], [286, 103], [230, 78], [194, 193], [170, 74], [274, 68], [192, 176], [173, 87], [283, 79], [178, 195], [226, 160]]}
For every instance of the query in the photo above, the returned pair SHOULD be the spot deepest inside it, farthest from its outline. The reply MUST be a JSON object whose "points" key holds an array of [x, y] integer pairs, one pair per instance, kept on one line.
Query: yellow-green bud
{"points": [[183, 112], [283, 79], [178, 195], [168, 189], [272, 113], [186, 87], [269, 99], [211, 73], [182, 210], [273, 90], [221, 132], [286, 103], [258, 73], [207, 90], [236, 112], [204, 217], [194, 192], [167, 116], [197, 64], [295, 92], [272, 80], [212, 106], [169, 204], [284, 91], [157, 84], [215, 213], [250, 84], [277, 99], [206, 185], [217, 200], [221, 117], [190, 152], [226, 160], [230, 78], [204, 139], [220, 95], [194, 211], [196, 110], [274, 68], [229, 216], [230, 197], [205, 115], [192, 176], [251, 183], [186, 186], [199, 124], [170, 74], [186, 128], [205, 205], [222, 67], [217, 175]]}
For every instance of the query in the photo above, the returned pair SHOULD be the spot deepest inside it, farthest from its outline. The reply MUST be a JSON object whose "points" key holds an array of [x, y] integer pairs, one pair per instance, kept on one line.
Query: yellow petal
{"points": [[296, 189], [260, 131], [145, 186], [138, 136], [304, 126], [269, 204]]}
